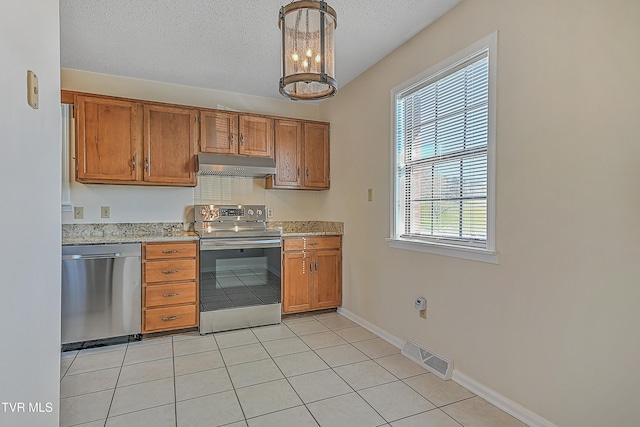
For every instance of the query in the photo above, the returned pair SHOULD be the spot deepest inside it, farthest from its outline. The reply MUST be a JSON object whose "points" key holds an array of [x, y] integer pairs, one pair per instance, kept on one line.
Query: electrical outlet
{"points": [[105, 211], [269, 213], [78, 212]]}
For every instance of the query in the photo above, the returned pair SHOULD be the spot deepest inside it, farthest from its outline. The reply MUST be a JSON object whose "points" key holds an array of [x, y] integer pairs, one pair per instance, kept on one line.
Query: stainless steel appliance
{"points": [[240, 261], [101, 291], [240, 166]]}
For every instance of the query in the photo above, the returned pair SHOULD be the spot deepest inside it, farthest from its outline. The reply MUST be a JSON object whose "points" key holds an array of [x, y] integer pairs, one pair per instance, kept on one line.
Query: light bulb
{"points": [[305, 63], [295, 57], [309, 53], [318, 58]]}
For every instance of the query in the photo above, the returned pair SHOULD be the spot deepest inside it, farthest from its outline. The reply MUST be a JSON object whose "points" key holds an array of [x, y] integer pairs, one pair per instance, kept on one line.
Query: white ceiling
{"points": [[228, 45]]}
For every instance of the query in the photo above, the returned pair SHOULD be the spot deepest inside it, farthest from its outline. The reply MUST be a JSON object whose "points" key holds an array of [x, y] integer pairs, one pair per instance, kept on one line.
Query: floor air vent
{"points": [[436, 364]]}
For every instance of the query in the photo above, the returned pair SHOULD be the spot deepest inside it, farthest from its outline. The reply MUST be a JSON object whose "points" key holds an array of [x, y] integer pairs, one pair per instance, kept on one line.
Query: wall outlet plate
{"points": [[78, 212], [105, 211]]}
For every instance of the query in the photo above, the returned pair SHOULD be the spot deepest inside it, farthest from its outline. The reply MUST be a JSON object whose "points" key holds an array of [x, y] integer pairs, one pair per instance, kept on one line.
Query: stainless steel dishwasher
{"points": [[101, 291]]}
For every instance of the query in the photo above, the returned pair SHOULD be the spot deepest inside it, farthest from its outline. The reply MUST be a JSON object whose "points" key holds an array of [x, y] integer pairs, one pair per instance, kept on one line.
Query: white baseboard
{"points": [[393, 340], [510, 407]]}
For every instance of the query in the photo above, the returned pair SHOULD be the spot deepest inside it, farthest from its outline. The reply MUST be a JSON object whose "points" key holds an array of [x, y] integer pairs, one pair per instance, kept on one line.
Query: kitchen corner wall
{"points": [[130, 203], [554, 326]]}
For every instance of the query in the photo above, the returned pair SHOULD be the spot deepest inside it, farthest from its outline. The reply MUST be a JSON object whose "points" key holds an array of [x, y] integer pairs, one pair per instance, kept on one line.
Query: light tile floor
{"points": [[317, 370]]}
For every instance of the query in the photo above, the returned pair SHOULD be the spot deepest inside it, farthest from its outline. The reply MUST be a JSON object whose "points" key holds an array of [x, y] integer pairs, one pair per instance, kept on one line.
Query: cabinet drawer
{"points": [[159, 295], [311, 243], [170, 250], [161, 319], [174, 270]]}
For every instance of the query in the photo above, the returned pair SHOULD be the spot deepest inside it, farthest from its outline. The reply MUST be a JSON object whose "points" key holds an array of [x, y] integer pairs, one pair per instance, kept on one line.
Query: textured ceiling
{"points": [[229, 45]]}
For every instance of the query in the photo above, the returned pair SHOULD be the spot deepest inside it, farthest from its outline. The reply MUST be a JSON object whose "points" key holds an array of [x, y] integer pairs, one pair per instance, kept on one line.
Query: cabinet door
{"points": [[316, 155], [218, 132], [288, 152], [256, 136], [327, 279], [106, 141], [295, 287], [169, 145]]}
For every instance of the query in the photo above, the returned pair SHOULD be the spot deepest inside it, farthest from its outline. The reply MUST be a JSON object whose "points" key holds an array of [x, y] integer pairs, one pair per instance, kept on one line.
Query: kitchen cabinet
{"points": [[107, 137], [289, 154], [302, 155], [236, 134], [121, 141], [170, 135], [169, 286], [312, 273]]}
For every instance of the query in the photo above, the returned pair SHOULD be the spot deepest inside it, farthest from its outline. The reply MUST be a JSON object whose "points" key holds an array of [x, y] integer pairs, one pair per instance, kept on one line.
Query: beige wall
{"points": [[171, 204], [554, 326], [30, 194]]}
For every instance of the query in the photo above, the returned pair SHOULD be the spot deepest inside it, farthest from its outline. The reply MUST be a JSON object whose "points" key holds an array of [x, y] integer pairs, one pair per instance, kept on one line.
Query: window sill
{"points": [[481, 255]]}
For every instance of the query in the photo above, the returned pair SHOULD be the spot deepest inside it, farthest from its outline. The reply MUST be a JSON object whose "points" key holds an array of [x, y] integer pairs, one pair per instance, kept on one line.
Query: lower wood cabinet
{"points": [[312, 273], [169, 286]]}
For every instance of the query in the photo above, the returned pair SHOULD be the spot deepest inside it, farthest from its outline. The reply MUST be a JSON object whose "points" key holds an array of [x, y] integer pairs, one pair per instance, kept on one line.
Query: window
{"points": [[444, 149]]}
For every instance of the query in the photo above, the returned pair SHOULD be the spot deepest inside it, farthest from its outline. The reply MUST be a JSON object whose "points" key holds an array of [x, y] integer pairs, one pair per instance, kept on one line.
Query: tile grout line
{"points": [[175, 386], [116, 384]]}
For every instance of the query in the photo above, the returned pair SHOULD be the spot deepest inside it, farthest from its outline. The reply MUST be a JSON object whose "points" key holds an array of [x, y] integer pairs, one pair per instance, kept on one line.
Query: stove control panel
{"points": [[230, 213]]}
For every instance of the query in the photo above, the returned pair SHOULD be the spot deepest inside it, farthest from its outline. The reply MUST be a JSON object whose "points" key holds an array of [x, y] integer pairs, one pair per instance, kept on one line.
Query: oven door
{"points": [[240, 283]]}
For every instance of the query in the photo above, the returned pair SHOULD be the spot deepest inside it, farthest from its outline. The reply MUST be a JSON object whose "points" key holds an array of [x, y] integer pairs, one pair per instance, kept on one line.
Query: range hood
{"points": [[225, 165]]}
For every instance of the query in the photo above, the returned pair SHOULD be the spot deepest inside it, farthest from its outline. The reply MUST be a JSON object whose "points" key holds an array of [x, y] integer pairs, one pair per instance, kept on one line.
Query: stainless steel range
{"points": [[240, 267]]}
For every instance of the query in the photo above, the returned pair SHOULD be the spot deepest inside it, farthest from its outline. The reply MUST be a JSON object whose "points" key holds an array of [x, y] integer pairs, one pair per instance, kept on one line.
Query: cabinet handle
{"points": [[146, 164], [313, 244], [307, 172], [298, 171], [171, 295], [242, 139], [133, 163], [310, 267], [174, 251], [170, 271], [168, 319], [316, 265], [231, 138]]}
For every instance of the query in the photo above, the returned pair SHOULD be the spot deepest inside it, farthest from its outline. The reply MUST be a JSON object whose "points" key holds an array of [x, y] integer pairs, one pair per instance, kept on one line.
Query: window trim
{"points": [[489, 253]]}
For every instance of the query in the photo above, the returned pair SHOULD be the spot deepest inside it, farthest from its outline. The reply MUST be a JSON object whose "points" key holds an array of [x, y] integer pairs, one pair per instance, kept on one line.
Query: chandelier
{"points": [[308, 54]]}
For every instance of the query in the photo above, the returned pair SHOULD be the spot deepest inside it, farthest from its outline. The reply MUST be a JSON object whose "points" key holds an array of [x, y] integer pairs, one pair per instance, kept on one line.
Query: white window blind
{"points": [[442, 139]]}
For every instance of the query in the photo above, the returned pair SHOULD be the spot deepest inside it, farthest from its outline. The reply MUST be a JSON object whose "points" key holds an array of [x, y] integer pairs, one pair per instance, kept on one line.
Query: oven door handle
{"points": [[222, 244]]}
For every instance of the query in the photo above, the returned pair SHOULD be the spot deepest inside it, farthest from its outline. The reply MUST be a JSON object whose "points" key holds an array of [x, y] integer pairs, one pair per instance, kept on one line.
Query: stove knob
{"points": [[259, 212], [250, 212]]}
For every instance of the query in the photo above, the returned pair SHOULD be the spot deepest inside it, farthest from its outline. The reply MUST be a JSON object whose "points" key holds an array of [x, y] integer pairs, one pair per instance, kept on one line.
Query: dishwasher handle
{"points": [[92, 256]]}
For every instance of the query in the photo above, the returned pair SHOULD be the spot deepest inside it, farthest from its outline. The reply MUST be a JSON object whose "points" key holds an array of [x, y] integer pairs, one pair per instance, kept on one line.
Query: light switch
{"points": [[370, 194], [32, 89]]}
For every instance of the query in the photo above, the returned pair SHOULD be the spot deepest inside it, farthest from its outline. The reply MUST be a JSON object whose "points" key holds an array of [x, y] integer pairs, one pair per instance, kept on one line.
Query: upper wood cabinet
{"points": [[218, 132], [126, 142], [170, 135], [316, 155], [237, 134], [289, 154], [107, 137], [302, 155]]}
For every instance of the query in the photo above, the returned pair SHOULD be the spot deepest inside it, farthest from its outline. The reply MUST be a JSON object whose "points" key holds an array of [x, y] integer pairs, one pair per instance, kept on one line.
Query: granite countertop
{"points": [[87, 234], [308, 228]]}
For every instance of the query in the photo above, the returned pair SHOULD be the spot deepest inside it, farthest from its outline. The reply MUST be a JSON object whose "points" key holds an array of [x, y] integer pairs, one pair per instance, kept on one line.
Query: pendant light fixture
{"points": [[308, 54]]}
